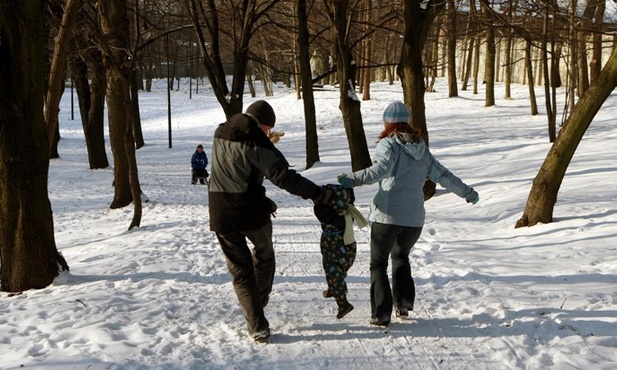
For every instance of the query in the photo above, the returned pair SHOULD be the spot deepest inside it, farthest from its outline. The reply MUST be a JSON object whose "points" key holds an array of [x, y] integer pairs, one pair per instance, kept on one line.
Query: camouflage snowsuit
{"points": [[337, 257]]}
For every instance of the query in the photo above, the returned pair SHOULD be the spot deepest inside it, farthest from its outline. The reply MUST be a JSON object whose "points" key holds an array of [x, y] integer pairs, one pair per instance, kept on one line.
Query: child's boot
{"points": [[344, 307]]}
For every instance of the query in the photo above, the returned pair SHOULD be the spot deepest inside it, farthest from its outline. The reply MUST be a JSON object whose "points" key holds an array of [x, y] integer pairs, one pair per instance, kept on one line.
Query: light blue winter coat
{"points": [[401, 166]]}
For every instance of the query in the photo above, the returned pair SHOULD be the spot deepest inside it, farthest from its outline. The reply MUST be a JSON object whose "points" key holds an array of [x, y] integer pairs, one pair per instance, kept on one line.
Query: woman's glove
{"points": [[345, 181], [473, 197]]}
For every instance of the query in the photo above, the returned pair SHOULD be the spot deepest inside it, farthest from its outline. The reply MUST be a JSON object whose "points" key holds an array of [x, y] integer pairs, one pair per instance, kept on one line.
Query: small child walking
{"points": [[199, 161], [337, 244]]}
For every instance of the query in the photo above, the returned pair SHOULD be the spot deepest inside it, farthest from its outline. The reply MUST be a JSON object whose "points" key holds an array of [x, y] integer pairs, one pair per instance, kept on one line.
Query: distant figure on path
{"points": [[318, 65], [199, 161]]}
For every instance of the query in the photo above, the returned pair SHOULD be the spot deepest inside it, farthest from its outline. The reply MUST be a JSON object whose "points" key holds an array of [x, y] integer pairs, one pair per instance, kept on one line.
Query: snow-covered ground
{"points": [[488, 296]]}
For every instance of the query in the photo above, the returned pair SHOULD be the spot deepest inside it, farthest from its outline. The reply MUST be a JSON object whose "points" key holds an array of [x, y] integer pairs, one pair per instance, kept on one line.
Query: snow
{"points": [[489, 296]]}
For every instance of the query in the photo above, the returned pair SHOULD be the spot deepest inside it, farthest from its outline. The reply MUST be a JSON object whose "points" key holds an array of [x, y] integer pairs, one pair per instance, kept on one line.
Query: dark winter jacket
{"points": [[242, 155], [199, 160]]}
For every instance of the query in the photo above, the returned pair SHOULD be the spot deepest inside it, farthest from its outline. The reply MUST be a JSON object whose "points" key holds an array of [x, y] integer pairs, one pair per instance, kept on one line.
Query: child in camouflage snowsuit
{"points": [[338, 249]]}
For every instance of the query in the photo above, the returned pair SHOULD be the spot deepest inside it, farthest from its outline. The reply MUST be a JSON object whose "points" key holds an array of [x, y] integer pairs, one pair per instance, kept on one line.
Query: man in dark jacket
{"points": [[242, 155]]}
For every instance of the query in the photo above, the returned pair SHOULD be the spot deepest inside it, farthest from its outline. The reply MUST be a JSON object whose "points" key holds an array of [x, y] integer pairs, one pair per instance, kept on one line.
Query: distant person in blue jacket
{"points": [[199, 161], [401, 164]]}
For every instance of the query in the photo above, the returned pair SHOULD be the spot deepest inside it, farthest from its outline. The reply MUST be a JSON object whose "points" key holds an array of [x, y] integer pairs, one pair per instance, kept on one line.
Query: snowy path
{"points": [[165, 293]]}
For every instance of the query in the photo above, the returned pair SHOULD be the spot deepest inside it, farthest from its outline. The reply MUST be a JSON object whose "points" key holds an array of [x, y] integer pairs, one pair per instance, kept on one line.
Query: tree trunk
{"points": [[310, 120], [507, 81], [543, 194], [55, 85], [119, 65], [584, 30], [468, 63], [595, 66], [28, 253], [91, 98], [451, 36], [368, 54], [510, 40], [550, 109], [530, 81], [431, 53], [349, 102], [136, 117], [489, 60], [574, 75], [476, 65]]}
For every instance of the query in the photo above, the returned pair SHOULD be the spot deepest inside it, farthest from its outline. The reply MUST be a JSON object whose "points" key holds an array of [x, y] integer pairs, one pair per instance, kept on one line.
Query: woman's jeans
{"points": [[395, 241]]}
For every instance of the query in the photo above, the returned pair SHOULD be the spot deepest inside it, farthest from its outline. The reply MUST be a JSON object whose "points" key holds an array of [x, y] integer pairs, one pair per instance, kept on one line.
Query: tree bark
{"points": [[489, 60], [312, 142], [530, 80], [507, 81], [476, 65], [510, 40], [55, 86], [543, 194], [469, 42], [136, 117], [91, 98], [119, 66], [549, 72], [28, 253], [339, 14], [368, 54], [595, 66], [451, 24]]}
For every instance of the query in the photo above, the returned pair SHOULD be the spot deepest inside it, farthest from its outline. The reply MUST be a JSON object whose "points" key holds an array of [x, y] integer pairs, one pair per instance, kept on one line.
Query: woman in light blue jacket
{"points": [[401, 165]]}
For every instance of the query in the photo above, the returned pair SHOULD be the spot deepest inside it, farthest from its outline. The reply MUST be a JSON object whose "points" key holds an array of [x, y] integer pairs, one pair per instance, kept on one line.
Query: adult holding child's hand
{"points": [[401, 165]]}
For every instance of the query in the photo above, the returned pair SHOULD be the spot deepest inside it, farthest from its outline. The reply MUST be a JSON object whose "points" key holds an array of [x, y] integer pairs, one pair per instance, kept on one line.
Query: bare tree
{"points": [[226, 23], [469, 48], [55, 86], [489, 60], [451, 57], [91, 99], [367, 52], [118, 61], [530, 80], [596, 54], [312, 144], [134, 80], [29, 258], [510, 40], [341, 14], [549, 68], [88, 75], [543, 194], [579, 44]]}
